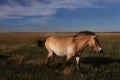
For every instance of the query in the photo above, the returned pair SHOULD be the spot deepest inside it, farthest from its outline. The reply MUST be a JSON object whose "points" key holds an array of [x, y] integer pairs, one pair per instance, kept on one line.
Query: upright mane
{"points": [[84, 33]]}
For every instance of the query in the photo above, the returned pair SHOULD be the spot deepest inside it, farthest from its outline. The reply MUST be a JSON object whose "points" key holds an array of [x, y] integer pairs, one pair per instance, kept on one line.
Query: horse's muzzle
{"points": [[99, 50]]}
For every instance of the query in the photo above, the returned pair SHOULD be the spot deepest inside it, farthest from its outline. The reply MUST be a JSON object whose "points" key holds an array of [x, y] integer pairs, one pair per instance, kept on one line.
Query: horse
{"points": [[70, 47]]}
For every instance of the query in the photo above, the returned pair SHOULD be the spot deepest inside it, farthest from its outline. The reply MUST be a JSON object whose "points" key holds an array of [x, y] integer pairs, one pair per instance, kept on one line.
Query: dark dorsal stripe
{"points": [[84, 33]]}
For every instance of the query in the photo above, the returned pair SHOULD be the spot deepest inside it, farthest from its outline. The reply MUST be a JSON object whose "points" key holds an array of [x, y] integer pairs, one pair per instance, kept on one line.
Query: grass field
{"points": [[22, 59]]}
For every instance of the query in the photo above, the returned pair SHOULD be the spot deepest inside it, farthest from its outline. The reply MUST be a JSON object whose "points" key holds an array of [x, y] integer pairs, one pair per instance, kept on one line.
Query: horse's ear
{"points": [[94, 36]]}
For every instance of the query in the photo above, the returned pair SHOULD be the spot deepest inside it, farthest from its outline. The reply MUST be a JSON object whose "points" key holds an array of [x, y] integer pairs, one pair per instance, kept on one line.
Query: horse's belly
{"points": [[60, 52]]}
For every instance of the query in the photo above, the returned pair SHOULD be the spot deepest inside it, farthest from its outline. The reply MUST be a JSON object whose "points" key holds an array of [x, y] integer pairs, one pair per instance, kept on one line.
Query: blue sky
{"points": [[59, 15]]}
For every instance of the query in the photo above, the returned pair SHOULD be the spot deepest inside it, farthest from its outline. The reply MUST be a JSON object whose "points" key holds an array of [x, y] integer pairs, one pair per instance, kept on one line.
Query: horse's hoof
{"points": [[56, 70]]}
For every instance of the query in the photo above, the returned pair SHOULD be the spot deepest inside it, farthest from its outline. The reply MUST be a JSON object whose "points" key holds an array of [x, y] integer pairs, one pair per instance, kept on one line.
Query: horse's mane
{"points": [[84, 33]]}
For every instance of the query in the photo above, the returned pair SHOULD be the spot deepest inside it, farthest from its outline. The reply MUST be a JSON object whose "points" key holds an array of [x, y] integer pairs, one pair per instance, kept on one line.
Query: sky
{"points": [[59, 15]]}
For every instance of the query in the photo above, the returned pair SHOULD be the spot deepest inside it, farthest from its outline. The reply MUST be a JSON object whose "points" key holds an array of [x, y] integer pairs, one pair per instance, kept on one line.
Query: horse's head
{"points": [[94, 44]]}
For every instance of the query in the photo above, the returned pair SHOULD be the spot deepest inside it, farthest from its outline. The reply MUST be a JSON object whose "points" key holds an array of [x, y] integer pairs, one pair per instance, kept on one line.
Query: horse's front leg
{"points": [[78, 63], [67, 60]]}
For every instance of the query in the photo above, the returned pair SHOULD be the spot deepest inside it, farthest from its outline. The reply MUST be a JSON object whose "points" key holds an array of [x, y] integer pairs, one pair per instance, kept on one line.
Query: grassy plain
{"points": [[22, 59]]}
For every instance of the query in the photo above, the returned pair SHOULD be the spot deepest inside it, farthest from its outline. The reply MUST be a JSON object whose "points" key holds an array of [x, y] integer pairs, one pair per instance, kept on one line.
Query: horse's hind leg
{"points": [[50, 54], [50, 57]]}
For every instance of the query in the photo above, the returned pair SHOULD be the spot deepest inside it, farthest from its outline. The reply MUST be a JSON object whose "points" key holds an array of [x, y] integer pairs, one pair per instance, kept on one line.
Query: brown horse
{"points": [[69, 47]]}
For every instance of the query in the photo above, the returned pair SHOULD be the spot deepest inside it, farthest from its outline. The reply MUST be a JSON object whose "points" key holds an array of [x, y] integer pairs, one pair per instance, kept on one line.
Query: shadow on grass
{"points": [[94, 61], [3, 57], [97, 61]]}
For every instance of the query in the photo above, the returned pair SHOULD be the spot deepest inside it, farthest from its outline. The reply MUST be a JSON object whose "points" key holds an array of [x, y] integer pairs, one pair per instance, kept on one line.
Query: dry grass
{"points": [[9, 48], [37, 61], [22, 59], [18, 59], [67, 71]]}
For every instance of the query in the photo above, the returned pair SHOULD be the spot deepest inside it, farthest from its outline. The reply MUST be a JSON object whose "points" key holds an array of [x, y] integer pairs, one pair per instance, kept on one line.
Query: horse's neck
{"points": [[81, 44]]}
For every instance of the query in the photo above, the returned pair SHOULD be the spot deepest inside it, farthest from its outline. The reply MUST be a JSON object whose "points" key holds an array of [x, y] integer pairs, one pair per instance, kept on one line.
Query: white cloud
{"points": [[38, 21], [46, 7], [20, 11]]}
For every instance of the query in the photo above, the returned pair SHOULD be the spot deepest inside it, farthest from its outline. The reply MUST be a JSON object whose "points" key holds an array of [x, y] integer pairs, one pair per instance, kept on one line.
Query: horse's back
{"points": [[65, 41]]}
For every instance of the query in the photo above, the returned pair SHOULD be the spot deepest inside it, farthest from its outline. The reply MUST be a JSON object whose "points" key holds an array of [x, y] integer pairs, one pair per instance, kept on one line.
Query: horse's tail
{"points": [[40, 42]]}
